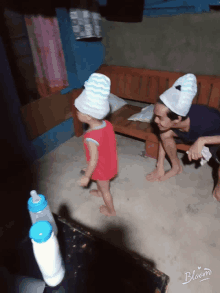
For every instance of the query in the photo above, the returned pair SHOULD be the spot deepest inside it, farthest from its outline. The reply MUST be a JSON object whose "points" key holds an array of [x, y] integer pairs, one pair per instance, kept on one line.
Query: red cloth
{"points": [[107, 166]]}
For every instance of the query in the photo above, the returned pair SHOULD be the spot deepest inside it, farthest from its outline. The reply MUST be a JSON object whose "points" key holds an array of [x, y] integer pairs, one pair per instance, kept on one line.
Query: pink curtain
{"points": [[44, 36]]}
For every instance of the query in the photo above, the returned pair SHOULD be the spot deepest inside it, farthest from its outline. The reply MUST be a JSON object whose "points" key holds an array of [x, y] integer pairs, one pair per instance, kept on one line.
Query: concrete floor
{"points": [[173, 224]]}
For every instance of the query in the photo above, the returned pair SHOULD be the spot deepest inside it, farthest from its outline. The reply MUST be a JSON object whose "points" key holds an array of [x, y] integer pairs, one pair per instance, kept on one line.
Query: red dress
{"points": [[104, 137]]}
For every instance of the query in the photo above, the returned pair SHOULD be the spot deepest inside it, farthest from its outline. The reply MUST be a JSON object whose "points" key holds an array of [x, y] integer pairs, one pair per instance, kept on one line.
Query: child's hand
{"points": [[84, 181]]}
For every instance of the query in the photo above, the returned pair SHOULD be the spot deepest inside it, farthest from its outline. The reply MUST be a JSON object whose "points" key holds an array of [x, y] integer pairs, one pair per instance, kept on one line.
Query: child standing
{"points": [[99, 140]]}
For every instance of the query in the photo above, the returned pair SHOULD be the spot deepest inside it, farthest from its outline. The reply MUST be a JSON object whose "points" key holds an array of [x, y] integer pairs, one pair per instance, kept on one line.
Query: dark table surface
{"points": [[92, 265]]}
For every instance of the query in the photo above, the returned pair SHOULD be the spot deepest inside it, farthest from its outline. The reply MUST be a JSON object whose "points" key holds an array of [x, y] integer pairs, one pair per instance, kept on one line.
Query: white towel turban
{"points": [[180, 101]]}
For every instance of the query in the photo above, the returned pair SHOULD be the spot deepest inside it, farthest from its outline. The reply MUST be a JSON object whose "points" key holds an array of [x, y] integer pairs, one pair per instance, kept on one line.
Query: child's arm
{"points": [[93, 152], [94, 155]]}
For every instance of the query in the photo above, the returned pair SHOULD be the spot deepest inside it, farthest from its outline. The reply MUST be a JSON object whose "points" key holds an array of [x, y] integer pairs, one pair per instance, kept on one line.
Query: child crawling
{"points": [[99, 140]]}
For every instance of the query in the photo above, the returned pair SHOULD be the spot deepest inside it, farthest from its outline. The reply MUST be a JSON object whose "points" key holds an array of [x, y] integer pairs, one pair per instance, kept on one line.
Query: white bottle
{"points": [[47, 253], [39, 210]]}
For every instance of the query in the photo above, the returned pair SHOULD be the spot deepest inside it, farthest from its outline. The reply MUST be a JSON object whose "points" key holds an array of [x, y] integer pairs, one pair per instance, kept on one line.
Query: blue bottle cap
{"points": [[37, 206], [41, 231]]}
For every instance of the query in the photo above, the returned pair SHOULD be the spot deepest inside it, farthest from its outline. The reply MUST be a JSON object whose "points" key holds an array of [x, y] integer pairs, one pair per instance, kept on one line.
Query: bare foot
{"points": [[173, 172], [105, 211], [216, 193], [155, 175], [95, 192]]}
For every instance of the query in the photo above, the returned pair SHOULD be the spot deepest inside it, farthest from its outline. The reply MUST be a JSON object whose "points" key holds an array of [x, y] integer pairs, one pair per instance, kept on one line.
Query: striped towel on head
{"points": [[98, 85], [94, 99]]}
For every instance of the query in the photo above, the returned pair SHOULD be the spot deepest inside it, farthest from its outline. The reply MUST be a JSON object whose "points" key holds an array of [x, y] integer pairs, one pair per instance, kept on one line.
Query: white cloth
{"points": [[206, 155], [93, 101], [180, 101], [145, 115], [116, 102]]}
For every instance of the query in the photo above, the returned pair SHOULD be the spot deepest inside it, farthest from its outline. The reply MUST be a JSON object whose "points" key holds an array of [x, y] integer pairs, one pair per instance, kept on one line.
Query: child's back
{"points": [[104, 137]]}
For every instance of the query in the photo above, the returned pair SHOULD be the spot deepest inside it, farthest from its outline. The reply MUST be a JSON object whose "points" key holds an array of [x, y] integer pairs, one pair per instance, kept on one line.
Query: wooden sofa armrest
{"points": [[183, 147], [78, 126]]}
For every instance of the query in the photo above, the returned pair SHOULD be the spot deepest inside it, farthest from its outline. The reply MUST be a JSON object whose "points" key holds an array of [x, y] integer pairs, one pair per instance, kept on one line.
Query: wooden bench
{"points": [[143, 85]]}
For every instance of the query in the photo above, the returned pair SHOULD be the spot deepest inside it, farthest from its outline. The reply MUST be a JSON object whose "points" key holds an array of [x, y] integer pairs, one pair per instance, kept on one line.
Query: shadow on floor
{"points": [[15, 190], [212, 163], [107, 268], [112, 267], [115, 235]]}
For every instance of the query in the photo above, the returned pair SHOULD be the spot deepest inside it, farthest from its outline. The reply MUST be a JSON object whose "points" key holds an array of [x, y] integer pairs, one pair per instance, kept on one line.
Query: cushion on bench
{"points": [[138, 129], [145, 115], [115, 102]]}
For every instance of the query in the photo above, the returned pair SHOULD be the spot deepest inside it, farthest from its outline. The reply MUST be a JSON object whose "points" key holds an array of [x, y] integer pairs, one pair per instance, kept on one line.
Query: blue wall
{"points": [[173, 7], [48, 141], [82, 58]]}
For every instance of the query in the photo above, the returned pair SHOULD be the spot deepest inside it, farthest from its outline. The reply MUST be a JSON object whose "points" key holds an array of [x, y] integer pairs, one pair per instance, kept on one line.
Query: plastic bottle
{"points": [[39, 210], [47, 253]]}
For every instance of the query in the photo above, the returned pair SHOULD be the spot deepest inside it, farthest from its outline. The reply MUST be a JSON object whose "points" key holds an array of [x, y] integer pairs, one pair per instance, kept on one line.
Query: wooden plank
{"points": [[173, 78], [162, 85], [45, 113], [204, 93], [127, 92], [195, 100], [104, 68], [149, 72], [183, 147], [78, 126], [125, 112], [215, 96], [132, 87], [114, 84], [131, 130], [153, 90], [144, 88], [121, 85], [171, 81], [139, 71], [135, 87]]}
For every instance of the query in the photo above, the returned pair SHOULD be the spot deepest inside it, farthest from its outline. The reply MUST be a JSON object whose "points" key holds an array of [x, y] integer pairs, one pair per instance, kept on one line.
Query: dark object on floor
{"points": [[92, 265], [82, 172], [215, 151]]}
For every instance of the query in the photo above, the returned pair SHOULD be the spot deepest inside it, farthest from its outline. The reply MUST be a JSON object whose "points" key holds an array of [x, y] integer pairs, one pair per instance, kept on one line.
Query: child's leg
{"points": [[96, 192], [107, 209]]}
